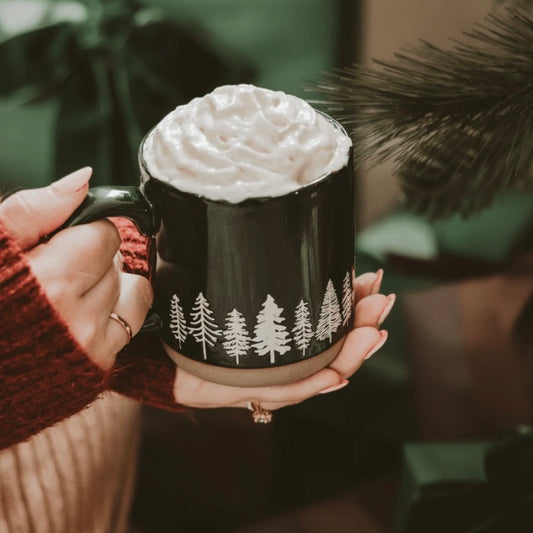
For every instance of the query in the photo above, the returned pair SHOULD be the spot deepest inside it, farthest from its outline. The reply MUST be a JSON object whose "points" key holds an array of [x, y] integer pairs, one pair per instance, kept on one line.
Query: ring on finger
{"points": [[260, 415], [117, 318]]}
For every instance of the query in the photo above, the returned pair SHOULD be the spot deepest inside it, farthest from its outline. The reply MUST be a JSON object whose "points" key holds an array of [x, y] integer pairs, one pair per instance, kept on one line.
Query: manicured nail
{"points": [[340, 386], [376, 286], [75, 181], [383, 338], [391, 298]]}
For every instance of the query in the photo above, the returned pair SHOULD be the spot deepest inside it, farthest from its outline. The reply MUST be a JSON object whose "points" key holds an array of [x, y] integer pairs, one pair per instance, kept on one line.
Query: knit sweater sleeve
{"points": [[44, 374], [142, 370]]}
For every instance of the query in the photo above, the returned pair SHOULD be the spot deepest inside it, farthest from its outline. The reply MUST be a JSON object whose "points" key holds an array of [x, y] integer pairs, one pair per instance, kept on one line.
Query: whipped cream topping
{"points": [[242, 141]]}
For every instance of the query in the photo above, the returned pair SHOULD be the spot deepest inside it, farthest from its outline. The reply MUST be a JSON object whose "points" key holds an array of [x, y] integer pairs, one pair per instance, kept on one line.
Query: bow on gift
{"points": [[117, 67], [468, 487]]}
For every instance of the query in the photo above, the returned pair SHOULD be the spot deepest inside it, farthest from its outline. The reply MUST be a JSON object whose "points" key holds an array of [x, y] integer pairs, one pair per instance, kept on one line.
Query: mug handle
{"points": [[126, 201], [120, 201]]}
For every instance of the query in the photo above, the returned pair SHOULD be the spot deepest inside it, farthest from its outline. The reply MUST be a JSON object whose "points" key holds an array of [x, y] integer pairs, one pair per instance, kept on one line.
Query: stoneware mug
{"points": [[248, 294]]}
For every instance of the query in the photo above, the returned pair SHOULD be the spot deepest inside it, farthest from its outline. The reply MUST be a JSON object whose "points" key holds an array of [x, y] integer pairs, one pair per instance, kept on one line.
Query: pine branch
{"points": [[458, 123], [527, 4]]}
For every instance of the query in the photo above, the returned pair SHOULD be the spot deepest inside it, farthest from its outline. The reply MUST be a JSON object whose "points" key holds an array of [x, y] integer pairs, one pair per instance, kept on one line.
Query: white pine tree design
{"points": [[203, 327], [237, 341], [178, 325], [303, 331], [346, 299], [330, 314], [271, 336]]}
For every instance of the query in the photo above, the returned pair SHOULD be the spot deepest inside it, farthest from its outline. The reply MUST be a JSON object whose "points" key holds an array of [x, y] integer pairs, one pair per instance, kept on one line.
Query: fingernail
{"points": [[75, 181], [383, 334], [388, 308], [376, 286], [340, 386]]}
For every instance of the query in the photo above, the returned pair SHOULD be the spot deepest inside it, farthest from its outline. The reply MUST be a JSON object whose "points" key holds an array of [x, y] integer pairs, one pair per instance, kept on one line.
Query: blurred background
{"points": [[432, 433]]}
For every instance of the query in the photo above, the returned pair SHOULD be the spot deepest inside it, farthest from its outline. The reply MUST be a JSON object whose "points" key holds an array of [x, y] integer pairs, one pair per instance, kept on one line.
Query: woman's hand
{"points": [[371, 309], [79, 268]]}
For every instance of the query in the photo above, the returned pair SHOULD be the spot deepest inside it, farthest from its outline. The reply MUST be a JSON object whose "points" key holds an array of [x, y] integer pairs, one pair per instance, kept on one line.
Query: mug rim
{"points": [[317, 182]]}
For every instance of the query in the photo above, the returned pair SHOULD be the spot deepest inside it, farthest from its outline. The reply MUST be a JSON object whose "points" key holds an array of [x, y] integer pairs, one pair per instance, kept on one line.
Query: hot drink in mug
{"points": [[249, 196]]}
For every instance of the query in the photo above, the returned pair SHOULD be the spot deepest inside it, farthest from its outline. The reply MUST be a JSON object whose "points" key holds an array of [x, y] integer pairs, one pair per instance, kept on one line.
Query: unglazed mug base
{"points": [[257, 377]]}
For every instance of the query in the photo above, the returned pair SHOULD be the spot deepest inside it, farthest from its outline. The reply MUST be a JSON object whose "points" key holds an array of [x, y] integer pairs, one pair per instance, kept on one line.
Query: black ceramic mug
{"points": [[249, 294]]}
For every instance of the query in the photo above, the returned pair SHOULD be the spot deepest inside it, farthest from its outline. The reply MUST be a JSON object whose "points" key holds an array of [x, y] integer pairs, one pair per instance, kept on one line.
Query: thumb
{"points": [[30, 214]]}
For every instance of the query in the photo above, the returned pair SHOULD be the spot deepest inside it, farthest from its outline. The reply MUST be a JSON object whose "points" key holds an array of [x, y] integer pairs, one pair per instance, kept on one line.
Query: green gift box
{"points": [[82, 82], [472, 487]]}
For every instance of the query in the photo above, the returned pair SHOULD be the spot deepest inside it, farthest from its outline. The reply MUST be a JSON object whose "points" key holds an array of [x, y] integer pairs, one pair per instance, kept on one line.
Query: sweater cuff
{"points": [[142, 369], [44, 374]]}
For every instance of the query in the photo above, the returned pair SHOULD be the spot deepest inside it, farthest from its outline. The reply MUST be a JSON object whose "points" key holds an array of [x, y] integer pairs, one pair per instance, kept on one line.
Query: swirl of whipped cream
{"points": [[242, 141]]}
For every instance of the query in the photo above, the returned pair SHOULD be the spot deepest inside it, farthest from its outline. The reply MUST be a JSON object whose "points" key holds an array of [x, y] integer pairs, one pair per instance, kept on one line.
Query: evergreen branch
{"points": [[527, 4], [457, 123]]}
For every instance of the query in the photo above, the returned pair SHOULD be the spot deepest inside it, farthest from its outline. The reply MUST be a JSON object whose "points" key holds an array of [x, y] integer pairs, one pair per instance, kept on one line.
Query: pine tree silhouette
{"points": [[270, 335], [303, 331], [178, 325], [330, 314], [237, 341], [203, 327], [347, 302]]}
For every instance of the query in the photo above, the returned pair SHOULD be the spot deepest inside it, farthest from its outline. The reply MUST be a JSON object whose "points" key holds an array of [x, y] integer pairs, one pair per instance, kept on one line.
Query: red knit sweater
{"points": [[44, 374]]}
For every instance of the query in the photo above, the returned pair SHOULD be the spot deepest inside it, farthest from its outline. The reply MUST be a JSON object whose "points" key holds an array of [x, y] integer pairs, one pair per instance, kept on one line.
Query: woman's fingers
{"points": [[295, 392], [78, 268], [322, 382], [373, 310], [360, 344], [272, 406], [102, 297], [76, 257], [132, 305], [31, 214], [367, 284], [195, 392], [101, 337]]}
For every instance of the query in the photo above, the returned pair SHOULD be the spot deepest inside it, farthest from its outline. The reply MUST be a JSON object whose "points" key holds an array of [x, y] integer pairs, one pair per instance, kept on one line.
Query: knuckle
{"points": [[17, 209], [329, 375], [77, 278], [69, 278], [110, 236], [101, 237], [21, 203]]}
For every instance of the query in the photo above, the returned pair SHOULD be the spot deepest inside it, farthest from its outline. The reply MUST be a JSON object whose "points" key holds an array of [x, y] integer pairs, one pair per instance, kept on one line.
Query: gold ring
{"points": [[117, 318], [260, 415]]}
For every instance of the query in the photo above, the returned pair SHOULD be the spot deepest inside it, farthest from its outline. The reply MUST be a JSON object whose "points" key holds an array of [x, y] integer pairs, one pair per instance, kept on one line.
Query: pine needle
{"points": [[456, 123]]}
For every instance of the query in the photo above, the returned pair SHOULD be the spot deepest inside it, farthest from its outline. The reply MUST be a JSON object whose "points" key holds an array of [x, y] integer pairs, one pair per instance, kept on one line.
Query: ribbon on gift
{"points": [[116, 67], [474, 487]]}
